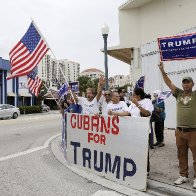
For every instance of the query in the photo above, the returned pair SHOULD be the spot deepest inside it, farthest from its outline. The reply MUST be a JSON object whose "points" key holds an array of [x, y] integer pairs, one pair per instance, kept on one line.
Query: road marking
{"points": [[46, 144], [106, 193]]}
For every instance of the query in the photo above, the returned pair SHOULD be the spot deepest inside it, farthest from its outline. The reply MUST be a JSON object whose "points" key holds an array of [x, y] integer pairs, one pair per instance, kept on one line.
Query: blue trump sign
{"points": [[177, 47], [74, 86]]}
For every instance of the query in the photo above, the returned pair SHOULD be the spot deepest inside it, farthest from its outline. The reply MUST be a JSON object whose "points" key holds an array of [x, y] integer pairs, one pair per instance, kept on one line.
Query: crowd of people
{"points": [[140, 105]]}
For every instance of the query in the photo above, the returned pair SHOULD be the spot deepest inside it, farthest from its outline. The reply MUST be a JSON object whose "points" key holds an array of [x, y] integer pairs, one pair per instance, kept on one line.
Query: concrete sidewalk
{"points": [[164, 171], [164, 162]]}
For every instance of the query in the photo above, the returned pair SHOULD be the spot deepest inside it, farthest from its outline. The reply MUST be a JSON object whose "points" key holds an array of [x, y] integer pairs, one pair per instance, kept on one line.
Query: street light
{"points": [[105, 31]]}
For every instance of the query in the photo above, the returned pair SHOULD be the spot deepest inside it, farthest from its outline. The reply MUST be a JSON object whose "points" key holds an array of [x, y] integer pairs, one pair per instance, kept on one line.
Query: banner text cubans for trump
{"points": [[113, 147]]}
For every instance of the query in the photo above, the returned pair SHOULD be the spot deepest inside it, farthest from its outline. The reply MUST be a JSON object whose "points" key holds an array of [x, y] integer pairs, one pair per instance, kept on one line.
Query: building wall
{"points": [[70, 69], [140, 25], [45, 68], [15, 85], [146, 23], [92, 73], [119, 80]]}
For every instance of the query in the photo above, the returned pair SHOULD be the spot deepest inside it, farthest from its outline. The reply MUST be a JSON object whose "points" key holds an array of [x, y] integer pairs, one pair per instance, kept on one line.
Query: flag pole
{"points": [[59, 66], [53, 56], [50, 93]]}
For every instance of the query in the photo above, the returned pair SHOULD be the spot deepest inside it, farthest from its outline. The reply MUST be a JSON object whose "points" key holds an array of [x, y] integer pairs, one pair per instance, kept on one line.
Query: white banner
{"points": [[113, 147]]}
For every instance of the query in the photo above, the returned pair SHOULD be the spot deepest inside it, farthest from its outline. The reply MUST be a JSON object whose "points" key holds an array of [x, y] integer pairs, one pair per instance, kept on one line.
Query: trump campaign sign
{"points": [[177, 47], [74, 86], [110, 146]]}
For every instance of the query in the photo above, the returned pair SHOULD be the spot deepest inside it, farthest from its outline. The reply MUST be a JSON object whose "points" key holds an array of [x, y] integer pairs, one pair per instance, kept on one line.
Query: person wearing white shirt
{"points": [[104, 101], [90, 103], [141, 106], [116, 106]]}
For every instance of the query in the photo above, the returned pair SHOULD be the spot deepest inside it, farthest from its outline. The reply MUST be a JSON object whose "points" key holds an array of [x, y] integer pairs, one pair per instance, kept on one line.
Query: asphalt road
{"points": [[27, 165]]}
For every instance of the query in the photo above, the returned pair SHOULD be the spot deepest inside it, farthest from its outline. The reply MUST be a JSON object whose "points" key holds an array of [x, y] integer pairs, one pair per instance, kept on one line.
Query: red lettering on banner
{"points": [[86, 121], [108, 129], [73, 125], [90, 137], [79, 121], [103, 125], [107, 125], [102, 141], [96, 138], [95, 123], [115, 129]]}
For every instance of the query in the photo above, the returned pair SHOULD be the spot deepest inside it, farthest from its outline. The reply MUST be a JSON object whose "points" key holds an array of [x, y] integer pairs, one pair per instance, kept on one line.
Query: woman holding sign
{"points": [[141, 106]]}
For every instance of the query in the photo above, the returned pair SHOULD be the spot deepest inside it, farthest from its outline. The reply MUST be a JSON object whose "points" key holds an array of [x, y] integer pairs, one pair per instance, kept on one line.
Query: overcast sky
{"points": [[71, 28]]}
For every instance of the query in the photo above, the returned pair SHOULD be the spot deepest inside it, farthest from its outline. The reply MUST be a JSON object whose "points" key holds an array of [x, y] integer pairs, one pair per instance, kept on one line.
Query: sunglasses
{"points": [[107, 94]]}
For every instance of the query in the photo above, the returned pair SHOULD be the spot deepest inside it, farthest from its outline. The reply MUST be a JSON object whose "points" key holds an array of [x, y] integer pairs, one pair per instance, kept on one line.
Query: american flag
{"points": [[34, 83], [27, 53]]}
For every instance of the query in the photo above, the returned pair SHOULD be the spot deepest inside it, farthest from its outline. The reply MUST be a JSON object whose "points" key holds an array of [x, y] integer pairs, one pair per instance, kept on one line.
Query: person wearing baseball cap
{"points": [[187, 78], [186, 124]]}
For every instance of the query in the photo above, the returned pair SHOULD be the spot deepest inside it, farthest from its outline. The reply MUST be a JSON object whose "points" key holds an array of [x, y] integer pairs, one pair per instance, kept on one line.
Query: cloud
{"points": [[72, 28]]}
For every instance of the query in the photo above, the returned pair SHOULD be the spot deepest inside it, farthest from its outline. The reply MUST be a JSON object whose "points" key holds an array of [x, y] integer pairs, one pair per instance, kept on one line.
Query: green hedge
{"points": [[30, 109]]}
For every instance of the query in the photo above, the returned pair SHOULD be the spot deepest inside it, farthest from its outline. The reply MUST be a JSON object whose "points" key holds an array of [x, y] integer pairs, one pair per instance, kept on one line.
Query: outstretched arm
{"points": [[166, 79], [100, 87], [110, 112]]}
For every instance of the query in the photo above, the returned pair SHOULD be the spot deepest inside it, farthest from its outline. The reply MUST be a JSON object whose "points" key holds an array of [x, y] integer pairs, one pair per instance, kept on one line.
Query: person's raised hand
{"points": [[101, 80], [161, 66]]}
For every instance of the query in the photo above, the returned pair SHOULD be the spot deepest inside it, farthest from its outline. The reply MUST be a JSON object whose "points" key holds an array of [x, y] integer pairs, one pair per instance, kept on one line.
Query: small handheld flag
{"points": [[140, 83], [34, 83], [163, 95], [63, 90]]}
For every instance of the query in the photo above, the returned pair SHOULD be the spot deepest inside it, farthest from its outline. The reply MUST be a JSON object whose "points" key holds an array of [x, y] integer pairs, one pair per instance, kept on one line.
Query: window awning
{"points": [[25, 94], [122, 54], [11, 94]]}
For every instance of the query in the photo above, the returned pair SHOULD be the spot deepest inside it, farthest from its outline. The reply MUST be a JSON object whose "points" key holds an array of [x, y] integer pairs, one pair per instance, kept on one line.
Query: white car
{"points": [[45, 108], [9, 111]]}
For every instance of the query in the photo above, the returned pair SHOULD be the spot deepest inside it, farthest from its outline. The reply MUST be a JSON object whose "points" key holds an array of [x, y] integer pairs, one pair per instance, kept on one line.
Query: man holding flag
{"points": [[186, 124]]}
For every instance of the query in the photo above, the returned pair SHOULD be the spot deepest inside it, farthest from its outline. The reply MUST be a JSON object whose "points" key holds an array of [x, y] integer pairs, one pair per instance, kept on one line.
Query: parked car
{"points": [[9, 111], [45, 108]]}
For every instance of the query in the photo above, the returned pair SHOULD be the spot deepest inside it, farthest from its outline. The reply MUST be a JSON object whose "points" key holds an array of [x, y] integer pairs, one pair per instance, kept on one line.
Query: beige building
{"points": [[44, 68], [141, 22], [118, 81], [93, 73], [71, 70]]}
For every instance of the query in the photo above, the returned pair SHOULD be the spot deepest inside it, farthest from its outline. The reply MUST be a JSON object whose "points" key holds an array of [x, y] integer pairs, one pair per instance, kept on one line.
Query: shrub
{"points": [[30, 109]]}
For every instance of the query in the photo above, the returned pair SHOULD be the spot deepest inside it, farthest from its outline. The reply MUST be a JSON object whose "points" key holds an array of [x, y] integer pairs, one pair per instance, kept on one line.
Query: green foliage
{"points": [[86, 82], [43, 91], [30, 109]]}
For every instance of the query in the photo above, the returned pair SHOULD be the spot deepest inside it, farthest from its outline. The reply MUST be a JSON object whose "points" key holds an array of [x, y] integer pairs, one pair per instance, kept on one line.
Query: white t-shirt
{"points": [[103, 104], [118, 107], [145, 103], [89, 107]]}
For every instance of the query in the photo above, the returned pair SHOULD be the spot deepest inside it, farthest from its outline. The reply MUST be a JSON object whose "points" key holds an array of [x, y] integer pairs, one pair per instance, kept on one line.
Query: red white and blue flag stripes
{"points": [[34, 83], [27, 53]]}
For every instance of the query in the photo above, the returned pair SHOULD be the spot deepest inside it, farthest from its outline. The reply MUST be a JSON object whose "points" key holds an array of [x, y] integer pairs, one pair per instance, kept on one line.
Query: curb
{"points": [[163, 188], [153, 187]]}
